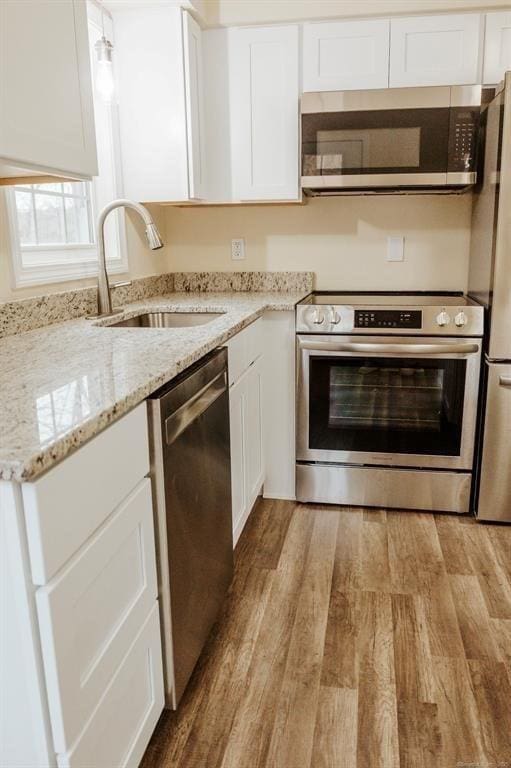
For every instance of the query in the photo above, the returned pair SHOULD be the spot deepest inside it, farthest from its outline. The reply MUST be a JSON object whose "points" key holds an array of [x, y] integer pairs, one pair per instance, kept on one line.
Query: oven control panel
{"points": [[388, 318]]}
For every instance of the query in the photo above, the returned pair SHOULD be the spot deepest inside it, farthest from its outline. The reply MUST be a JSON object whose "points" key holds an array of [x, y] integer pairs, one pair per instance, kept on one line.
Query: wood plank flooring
{"points": [[353, 639]]}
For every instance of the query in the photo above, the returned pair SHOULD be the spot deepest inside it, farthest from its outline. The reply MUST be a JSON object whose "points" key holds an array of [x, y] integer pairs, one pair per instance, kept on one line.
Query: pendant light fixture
{"points": [[104, 72]]}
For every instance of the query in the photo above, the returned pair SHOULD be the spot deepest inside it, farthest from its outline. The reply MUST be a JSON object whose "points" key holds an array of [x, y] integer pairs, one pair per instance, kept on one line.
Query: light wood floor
{"points": [[354, 639]]}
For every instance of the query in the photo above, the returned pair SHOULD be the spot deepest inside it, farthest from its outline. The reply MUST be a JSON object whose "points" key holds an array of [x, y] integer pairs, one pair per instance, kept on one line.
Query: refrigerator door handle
{"points": [[505, 381]]}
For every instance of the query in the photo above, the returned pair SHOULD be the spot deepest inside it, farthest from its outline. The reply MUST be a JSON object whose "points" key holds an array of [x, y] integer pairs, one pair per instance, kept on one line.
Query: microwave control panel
{"points": [[462, 139], [388, 318]]}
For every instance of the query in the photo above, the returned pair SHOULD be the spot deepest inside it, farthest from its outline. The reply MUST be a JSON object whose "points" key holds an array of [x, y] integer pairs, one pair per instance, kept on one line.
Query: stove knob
{"points": [[318, 318], [335, 317], [461, 319], [443, 319]]}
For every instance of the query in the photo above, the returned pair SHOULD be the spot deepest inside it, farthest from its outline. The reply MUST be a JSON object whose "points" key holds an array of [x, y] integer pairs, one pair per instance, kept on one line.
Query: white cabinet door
{"points": [[238, 457], [158, 65], [120, 729], [47, 115], [264, 113], [497, 47], [91, 612], [254, 430], [247, 454], [342, 55], [192, 38], [435, 50]]}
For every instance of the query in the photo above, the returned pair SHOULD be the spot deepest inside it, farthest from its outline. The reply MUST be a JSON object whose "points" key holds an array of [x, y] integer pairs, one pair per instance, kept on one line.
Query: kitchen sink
{"points": [[167, 320]]}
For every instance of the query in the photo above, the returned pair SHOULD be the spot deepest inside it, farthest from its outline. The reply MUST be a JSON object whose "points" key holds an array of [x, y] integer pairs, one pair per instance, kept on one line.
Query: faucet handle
{"points": [[121, 284]]}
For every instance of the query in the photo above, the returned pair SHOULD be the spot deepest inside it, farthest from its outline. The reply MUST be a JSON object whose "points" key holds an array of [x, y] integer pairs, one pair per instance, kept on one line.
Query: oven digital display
{"points": [[388, 318]]}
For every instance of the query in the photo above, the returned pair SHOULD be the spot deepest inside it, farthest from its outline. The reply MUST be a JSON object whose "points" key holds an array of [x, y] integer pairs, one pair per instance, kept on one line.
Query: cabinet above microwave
{"points": [[390, 140]]}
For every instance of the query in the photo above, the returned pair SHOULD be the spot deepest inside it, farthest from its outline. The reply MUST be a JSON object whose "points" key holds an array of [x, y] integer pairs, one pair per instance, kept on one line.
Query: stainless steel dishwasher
{"points": [[191, 477]]}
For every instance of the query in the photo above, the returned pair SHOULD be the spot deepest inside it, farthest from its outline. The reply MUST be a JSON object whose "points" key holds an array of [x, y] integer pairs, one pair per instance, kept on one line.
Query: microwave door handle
{"points": [[399, 349]]}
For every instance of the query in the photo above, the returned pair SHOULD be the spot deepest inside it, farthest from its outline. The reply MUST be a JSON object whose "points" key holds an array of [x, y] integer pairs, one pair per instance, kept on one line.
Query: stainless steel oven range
{"points": [[387, 399]]}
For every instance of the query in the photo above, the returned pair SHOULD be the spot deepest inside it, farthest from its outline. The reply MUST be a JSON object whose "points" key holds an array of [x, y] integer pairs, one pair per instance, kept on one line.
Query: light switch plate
{"points": [[395, 248], [238, 249]]}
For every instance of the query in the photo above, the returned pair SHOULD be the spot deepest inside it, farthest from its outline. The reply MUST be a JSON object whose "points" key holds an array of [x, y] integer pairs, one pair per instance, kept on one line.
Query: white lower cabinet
{"points": [[237, 416], [83, 654], [245, 405], [119, 730], [91, 611], [254, 429], [247, 463]]}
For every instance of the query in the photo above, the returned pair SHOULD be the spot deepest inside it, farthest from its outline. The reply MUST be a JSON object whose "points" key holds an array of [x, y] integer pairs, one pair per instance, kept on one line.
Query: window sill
{"points": [[54, 273]]}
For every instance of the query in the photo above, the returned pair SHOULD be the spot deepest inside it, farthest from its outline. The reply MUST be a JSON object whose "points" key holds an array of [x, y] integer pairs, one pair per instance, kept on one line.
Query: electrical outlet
{"points": [[238, 249], [395, 248]]}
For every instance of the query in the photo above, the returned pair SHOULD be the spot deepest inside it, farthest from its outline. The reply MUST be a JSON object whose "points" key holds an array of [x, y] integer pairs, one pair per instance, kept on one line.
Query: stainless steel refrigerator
{"points": [[490, 285]]}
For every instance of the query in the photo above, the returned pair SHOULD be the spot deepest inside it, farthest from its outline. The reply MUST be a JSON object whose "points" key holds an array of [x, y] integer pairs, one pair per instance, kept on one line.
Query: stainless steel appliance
{"points": [[190, 470], [393, 139], [387, 399], [490, 284]]}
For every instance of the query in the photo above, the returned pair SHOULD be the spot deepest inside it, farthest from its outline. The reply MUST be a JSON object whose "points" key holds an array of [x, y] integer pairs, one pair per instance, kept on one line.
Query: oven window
{"points": [[411, 406], [379, 141]]}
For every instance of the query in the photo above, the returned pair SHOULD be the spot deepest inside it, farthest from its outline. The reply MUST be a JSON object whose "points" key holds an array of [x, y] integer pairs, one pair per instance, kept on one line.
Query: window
{"points": [[52, 226]]}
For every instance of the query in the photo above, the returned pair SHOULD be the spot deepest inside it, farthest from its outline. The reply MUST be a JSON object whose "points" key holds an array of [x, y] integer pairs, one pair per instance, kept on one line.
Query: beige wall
{"points": [[343, 240], [141, 260], [232, 12]]}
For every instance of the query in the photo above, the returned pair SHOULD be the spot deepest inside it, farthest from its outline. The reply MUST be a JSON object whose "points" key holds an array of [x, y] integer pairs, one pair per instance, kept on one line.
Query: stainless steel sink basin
{"points": [[167, 320]]}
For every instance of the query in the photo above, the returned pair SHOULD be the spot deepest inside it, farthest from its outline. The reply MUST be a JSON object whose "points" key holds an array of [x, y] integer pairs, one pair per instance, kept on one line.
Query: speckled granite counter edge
{"points": [[30, 468]]}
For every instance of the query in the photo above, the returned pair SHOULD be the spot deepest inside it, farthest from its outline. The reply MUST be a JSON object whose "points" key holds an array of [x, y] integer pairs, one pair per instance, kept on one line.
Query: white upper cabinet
{"points": [[192, 38], [159, 69], [435, 50], [497, 47], [344, 55], [46, 109], [264, 113]]}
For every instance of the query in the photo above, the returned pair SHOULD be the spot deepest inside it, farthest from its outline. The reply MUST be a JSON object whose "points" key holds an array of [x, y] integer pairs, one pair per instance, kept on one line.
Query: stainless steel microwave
{"points": [[390, 140]]}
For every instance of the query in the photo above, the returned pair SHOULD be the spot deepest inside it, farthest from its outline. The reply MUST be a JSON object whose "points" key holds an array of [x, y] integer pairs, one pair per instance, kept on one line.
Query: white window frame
{"points": [[66, 262]]}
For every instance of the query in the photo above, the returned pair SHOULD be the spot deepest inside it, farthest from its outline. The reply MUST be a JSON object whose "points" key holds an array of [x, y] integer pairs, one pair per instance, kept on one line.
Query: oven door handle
{"points": [[400, 349]]}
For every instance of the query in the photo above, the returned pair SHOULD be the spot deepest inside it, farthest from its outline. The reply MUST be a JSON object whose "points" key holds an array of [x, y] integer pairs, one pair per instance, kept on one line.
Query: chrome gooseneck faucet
{"points": [[153, 240]]}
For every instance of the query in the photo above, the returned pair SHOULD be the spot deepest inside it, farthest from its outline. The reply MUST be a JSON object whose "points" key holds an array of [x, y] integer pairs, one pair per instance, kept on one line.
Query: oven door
{"points": [[387, 400]]}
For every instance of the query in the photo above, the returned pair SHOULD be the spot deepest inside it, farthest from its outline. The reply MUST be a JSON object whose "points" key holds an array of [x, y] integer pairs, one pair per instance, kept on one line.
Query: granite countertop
{"points": [[61, 385]]}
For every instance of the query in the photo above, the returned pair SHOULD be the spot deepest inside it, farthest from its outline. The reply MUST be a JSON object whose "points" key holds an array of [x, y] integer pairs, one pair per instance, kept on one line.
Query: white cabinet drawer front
{"points": [[118, 732], [91, 612], [243, 349], [65, 506], [345, 55], [435, 50], [497, 47]]}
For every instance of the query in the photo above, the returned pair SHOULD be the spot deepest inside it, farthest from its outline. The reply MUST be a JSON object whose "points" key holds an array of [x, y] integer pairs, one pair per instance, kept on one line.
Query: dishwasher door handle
{"points": [[192, 409]]}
